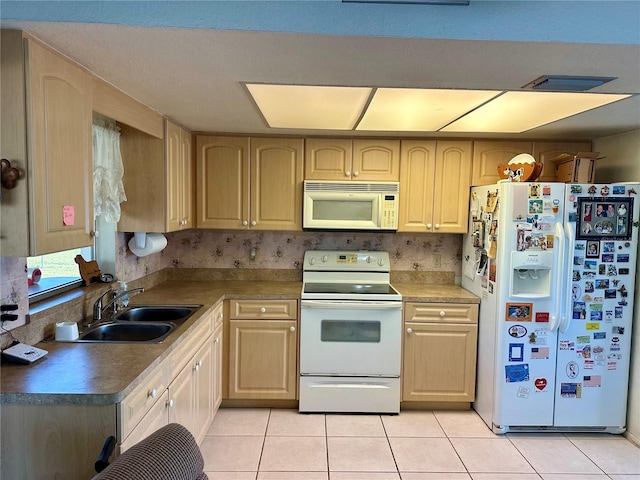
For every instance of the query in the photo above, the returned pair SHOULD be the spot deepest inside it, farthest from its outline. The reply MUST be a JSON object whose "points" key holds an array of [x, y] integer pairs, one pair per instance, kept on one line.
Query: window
{"points": [[59, 272]]}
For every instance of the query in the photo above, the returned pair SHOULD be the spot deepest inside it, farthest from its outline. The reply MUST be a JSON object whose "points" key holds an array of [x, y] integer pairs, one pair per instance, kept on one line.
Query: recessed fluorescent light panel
{"points": [[309, 107], [517, 112], [419, 110]]}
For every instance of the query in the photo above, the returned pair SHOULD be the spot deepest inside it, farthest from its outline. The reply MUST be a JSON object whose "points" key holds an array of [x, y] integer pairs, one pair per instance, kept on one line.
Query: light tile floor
{"points": [[273, 444]]}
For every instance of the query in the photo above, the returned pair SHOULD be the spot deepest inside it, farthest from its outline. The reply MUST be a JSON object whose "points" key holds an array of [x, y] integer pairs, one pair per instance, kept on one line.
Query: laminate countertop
{"points": [[105, 373]]}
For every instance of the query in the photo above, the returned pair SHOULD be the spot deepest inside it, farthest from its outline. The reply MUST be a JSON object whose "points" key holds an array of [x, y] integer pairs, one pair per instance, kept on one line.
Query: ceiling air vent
{"points": [[566, 83]]}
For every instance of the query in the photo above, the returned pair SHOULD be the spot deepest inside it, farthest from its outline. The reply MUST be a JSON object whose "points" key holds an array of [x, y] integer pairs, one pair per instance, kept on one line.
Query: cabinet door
{"points": [[181, 400], [172, 152], [204, 389], [452, 182], [545, 152], [262, 359], [417, 174], [439, 362], [222, 190], [186, 168], [217, 368], [327, 159], [155, 419], [60, 145], [488, 154], [276, 184], [376, 160]]}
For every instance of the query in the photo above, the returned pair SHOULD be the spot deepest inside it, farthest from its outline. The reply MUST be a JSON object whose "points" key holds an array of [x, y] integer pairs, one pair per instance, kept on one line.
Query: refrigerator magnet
{"points": [[516, 352], [519, 312], [517, 373], [571, 390], [572, 370]]}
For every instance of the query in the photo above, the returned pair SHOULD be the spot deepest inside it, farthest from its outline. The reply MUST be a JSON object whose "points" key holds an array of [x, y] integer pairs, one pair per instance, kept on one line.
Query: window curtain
{"points": [[108, 190]]}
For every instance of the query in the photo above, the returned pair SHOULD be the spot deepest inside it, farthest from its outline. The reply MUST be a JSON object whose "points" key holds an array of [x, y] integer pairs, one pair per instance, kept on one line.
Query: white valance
{"points": [[108, 190]]}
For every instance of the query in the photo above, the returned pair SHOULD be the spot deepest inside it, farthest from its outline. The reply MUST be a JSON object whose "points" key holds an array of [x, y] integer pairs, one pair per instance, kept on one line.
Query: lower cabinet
{"points": [[180, 390], [263, 349], [217, 365], [439, 358]]}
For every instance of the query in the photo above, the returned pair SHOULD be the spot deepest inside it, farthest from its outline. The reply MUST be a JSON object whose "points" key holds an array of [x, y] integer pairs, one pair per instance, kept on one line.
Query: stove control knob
{"points": [[381, 261], [312, 261], [369, 259], [325, 258]]}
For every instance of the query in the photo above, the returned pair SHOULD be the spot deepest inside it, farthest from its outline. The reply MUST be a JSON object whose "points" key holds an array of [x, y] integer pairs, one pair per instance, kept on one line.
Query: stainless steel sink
{"points": [[156, 313], [128, 332]]}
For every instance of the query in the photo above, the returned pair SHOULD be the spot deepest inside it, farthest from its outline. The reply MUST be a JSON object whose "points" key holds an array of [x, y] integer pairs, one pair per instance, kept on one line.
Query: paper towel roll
{"points": [[154, 242]]}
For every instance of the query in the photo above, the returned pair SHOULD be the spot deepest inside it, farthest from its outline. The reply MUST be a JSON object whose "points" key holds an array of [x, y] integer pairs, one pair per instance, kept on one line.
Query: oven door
{"points": [[361, 338]]}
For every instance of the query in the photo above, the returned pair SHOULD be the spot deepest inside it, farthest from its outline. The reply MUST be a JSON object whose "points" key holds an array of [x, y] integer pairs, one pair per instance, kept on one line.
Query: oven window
{"points": [[353, 331], [343, 210]]}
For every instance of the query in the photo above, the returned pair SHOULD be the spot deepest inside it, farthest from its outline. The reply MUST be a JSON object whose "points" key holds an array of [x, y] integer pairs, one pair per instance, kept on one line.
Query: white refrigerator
{"points": [[554, 266]]}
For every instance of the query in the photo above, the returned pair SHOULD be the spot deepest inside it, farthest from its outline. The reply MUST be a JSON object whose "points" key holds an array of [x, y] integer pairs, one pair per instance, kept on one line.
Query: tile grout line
{"points": [[452, 445], [386, 435], [264, 440]]}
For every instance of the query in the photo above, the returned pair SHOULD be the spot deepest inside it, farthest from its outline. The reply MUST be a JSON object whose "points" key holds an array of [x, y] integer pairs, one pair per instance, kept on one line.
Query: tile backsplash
{"points": [[215, 249], [285, 250]]}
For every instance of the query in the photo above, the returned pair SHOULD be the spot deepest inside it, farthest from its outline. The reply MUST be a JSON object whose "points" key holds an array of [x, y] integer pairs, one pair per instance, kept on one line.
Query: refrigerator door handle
{"points": [[558, 312], [568, 311]]}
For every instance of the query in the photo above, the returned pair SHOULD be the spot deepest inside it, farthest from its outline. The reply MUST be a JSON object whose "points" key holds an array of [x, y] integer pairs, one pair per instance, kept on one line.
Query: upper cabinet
{"points": [[249, 183], [545, 152], [158, 177], [49, 141], [434, 186], [179, 164], [345, 159], [488, 154]]}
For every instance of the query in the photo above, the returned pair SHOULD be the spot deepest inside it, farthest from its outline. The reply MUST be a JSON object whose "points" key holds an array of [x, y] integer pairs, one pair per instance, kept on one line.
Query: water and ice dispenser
{"points": [[531, 274]]}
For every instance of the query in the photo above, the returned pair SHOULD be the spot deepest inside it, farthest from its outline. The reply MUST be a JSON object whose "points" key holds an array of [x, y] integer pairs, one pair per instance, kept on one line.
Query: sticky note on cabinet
{"points": [[68, 215]]}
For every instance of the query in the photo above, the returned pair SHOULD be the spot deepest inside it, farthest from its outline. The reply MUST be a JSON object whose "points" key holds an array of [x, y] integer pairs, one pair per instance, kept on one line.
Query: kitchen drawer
{"points": [[183, 352], [441, 312], [259, 309], [137, 403]]}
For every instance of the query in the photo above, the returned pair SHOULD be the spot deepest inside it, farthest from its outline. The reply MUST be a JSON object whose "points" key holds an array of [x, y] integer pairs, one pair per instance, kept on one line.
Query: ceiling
{"points": [[196, 75]]}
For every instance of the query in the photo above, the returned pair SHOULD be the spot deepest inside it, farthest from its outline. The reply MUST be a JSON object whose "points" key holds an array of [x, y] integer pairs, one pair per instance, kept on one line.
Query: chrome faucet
{"points": [[99, 309]]}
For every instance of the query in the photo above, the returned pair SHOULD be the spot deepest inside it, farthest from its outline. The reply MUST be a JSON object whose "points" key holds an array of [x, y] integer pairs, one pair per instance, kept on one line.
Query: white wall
{"points": [[622, 164]]}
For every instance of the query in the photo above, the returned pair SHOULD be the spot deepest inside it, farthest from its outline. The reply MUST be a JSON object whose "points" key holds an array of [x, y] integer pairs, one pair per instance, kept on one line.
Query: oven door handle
{"points": [[364, 305]]}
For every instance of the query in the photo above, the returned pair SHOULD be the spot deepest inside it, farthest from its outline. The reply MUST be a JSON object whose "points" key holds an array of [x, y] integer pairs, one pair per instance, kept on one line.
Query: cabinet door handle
{"points": [[347, 173], [170, 403], [437, 226], [409, 330], [263, 310], [245, 223], [217, 340], [292, 329], [429, 226], [355, 174], [152, 393], [442, 313], [253, 223]]}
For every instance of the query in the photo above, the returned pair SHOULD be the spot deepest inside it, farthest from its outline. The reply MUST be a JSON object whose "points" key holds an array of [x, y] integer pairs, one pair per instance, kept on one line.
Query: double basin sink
{"points": [[140, 324]]}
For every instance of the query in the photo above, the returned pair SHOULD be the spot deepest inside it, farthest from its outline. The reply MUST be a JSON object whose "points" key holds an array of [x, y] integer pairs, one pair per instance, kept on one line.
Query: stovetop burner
{"points": [[347, 275]]}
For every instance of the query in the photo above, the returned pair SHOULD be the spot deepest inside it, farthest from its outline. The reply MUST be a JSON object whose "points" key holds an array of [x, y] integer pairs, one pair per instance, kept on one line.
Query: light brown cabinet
{"points": [[360, 160], [249, 183], [179, 163], [218, 361], [488, 154], [439, 358], [157, 180], [49, 141], [263, 349], [434, 186], [545, 152]]}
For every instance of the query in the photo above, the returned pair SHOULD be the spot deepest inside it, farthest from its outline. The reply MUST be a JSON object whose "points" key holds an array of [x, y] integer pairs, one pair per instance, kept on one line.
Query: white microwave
{"points": [[351, 205]]}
